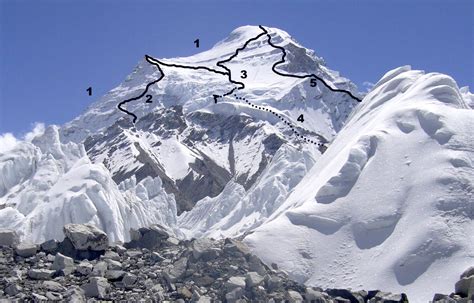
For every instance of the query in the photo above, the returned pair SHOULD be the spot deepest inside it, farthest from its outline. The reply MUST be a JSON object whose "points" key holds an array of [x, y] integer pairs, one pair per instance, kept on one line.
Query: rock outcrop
{"points": [[463, 289]]}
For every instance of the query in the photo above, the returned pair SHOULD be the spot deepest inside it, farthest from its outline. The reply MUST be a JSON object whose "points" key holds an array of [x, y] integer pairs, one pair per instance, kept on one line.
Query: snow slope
{"points": [[390, 204], [99, 168]]}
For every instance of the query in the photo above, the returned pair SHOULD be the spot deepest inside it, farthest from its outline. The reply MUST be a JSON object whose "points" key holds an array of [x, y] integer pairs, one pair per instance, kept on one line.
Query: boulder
{"points": [[38, 297], [346, 294], [235, 248], [203, 280], [114, 275], [41, 274], [203, 249], [177, 271], [133, 253], [26, 250], [233, 295], [84, 268], [386, 297], [129, 280], [235, 282], [315, 296], [468, 272], [13, 289], [8, 237], [99, 269], [172, 241], [151, 237], [253, 279], [465, 287], [185, 292], [63, 264], [294, 296], [75, 294], [86, 237], [156, 257], [256, 265], [52, 286], [111, 255], [53, 296], [50, 246], [440, 298], [273, 282], [204, 299], [113, 265], [97, 287]]}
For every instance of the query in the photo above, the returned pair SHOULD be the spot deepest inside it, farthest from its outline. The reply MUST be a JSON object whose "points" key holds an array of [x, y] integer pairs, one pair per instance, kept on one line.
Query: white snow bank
{"points": [[390, 204]]}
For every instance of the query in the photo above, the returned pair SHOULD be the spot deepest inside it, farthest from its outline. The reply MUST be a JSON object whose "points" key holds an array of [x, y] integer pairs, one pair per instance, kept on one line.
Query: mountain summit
{"points": [[257, 138], [197, 146]]}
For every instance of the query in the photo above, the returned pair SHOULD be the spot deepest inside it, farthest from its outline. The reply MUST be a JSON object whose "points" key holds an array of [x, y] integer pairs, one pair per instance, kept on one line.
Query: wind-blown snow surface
{"points": [[390, 204]]}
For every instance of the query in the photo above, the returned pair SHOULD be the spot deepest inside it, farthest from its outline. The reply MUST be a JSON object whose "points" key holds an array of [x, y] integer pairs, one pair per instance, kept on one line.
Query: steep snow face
{"points": [[390, 204], [47, 184], [197, 146], [194, 89]]}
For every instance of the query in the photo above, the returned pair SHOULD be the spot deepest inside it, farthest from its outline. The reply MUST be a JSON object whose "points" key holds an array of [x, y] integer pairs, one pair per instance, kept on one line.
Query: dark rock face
{"points": [[8, 237], [206, 176], [148, 237], [463, 289]]}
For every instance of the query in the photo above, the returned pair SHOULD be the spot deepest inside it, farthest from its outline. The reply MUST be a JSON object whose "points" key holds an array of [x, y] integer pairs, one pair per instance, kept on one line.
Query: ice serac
{"points": [[389, 205], [196, 146], [62, 186]]}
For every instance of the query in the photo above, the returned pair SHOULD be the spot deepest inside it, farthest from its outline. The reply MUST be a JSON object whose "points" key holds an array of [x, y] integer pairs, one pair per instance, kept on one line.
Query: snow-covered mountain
{"points": [[393, 188], [197, 146]]}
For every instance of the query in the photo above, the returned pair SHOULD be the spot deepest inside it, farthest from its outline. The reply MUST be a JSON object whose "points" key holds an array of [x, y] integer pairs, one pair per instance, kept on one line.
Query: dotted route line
{"points": [[240, 86], [279, 116]]}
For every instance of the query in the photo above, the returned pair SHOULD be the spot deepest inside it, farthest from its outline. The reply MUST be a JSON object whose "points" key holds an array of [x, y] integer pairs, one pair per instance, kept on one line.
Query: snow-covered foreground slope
{"points": [[390, 204], [45, 184]]}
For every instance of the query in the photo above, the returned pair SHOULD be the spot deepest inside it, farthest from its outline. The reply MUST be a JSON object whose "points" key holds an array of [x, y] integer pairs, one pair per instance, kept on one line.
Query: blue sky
{"points": [[52, 51]]}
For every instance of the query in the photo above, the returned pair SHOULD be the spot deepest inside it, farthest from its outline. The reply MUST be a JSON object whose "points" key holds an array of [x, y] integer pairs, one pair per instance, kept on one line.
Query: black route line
{"points": [[185, 66], [301, 76], [119, 106], [241, 85], [221, 63]]}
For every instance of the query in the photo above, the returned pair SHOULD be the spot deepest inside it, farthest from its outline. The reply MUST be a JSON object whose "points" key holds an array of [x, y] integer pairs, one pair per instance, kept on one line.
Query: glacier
{"points": [[387, 203]]}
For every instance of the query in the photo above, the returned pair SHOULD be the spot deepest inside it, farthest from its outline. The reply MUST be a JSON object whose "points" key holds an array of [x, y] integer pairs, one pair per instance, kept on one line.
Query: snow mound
{"points": [[389, 205]]}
